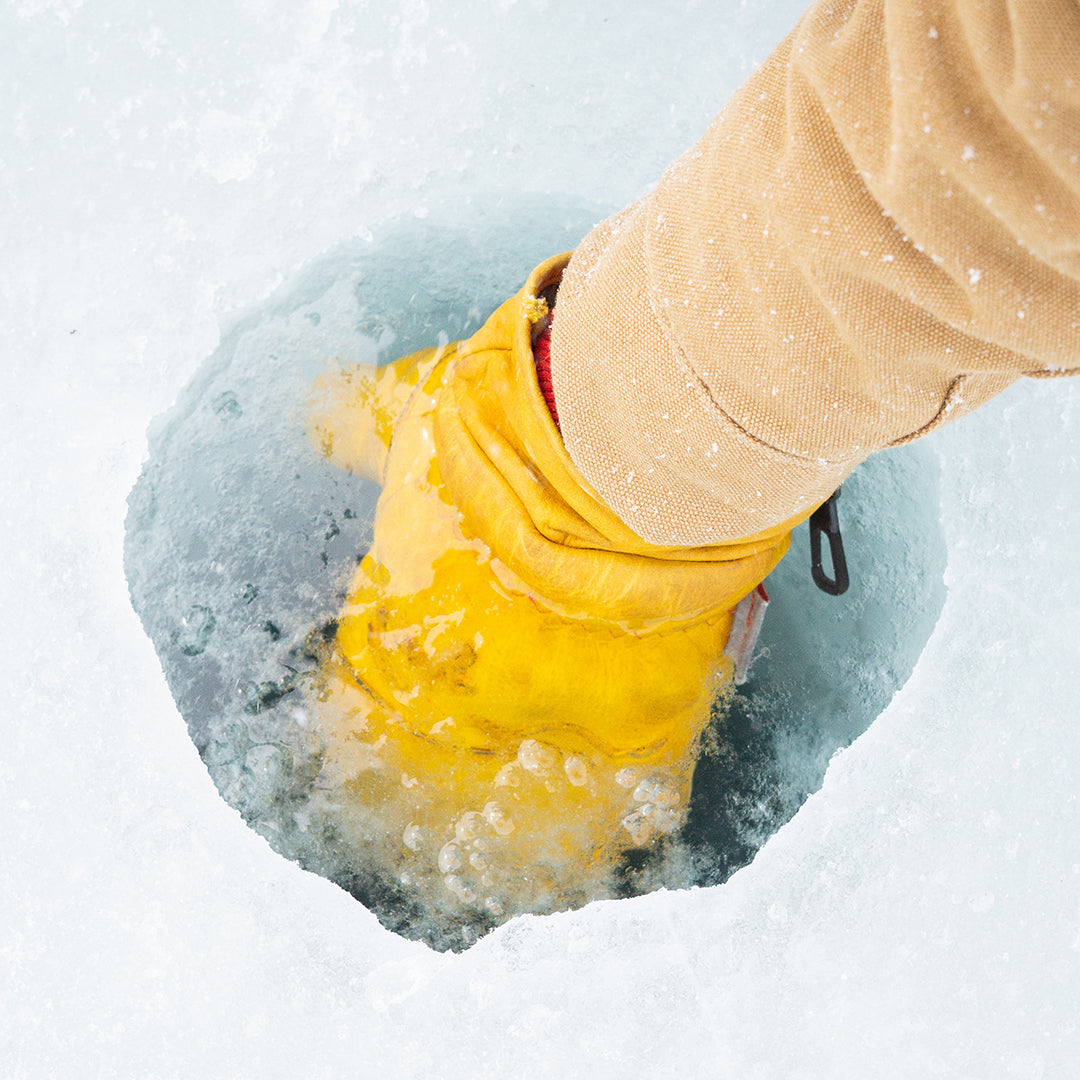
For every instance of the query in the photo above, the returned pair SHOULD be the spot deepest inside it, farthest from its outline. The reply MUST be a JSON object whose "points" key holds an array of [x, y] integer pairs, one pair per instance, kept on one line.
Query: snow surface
{"points": [[163, 168]]}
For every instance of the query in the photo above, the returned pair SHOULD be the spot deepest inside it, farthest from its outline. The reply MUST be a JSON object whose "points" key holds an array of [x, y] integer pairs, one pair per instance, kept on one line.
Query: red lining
{"points": [[542, 357]]}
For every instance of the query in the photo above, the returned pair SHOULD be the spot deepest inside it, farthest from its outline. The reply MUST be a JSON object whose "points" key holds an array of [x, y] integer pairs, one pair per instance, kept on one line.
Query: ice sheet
{"points": [[165, 167]]}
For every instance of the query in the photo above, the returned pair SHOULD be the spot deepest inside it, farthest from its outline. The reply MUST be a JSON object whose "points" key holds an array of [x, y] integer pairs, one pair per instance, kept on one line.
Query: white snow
{"points": [[162, 168]]}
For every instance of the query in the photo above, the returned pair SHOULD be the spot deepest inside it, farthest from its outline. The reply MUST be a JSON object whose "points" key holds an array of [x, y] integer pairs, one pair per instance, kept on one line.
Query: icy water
{"points": [[240, 542]]}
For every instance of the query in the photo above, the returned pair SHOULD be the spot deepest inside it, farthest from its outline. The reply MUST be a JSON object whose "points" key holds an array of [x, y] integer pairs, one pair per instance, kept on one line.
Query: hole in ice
{"points": [[241, 541]]}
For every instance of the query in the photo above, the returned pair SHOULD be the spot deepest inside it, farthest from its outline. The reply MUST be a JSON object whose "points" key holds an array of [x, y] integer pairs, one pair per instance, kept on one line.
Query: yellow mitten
{"points": [[523, 681]]}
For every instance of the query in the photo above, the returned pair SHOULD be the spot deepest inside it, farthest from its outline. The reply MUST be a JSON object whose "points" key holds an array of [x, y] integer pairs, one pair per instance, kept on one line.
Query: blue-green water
{"points": [[240, 540]]}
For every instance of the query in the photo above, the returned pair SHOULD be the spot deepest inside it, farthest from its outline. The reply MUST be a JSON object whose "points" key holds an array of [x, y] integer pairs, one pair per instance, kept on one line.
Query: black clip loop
{"points": [[826, 520]]}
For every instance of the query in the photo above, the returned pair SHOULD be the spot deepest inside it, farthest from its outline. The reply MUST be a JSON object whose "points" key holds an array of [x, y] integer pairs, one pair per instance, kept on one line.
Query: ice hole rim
{"points": [[825, 667]]}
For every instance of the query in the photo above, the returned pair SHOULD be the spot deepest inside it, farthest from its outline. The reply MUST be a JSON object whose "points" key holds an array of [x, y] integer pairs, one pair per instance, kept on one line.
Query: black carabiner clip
{"points": [[826, 520]]}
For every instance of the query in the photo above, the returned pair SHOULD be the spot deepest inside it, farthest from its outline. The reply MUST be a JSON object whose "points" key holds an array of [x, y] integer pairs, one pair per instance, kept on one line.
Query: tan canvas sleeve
{"points": [[879, 233]]}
